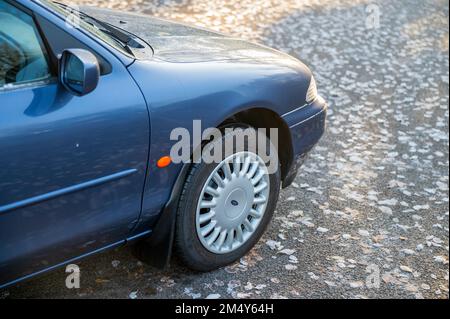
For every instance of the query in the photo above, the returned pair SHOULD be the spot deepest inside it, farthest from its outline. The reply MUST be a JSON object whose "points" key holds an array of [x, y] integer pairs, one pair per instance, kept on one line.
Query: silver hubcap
{"points": [[232, 202]]}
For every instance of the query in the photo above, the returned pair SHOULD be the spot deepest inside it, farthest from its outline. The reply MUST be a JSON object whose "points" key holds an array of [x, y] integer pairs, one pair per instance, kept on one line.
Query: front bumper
{"points": [[307, 125]]}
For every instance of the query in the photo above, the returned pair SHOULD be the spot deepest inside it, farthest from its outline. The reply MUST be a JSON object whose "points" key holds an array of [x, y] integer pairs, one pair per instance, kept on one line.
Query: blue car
{"points": [[105, 118]]}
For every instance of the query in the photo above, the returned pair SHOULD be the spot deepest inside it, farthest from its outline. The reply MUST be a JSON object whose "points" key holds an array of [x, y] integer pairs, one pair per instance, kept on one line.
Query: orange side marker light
{"points": [[164, 161]]}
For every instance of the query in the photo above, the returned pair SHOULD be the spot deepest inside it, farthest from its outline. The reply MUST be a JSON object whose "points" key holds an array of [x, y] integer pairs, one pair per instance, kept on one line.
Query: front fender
{"points": [[178, 93]]}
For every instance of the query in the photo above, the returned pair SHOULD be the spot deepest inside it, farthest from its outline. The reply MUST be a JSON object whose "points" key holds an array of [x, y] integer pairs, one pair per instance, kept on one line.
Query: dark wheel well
{"points": [[264, 118]]}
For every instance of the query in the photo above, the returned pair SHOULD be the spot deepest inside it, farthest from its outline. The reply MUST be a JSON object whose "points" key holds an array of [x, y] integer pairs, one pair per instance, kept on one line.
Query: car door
{"points": [[72, 169]]}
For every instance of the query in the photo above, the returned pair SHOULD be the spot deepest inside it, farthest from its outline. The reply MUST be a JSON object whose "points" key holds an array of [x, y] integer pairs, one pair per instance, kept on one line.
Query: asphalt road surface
{"points": [[368, 215]]}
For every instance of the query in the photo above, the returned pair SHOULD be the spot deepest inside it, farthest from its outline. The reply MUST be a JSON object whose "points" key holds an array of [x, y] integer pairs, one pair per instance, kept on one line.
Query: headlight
{"points": [[311, 94]]}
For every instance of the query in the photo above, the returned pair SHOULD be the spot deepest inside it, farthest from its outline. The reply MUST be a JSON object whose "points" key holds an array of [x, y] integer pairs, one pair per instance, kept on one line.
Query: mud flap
{"points": [[157, 249]]}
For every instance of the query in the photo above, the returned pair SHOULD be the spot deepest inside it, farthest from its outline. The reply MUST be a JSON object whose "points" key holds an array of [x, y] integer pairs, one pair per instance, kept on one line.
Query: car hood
{"points": [[176, 42]]}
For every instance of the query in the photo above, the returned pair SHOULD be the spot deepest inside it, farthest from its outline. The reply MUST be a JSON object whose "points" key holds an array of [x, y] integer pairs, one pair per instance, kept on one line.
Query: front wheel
{"points": [[224, 209]]}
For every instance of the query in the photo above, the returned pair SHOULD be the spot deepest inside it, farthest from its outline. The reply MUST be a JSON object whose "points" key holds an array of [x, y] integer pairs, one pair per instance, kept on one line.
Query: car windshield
{"points": [[102, 30]]}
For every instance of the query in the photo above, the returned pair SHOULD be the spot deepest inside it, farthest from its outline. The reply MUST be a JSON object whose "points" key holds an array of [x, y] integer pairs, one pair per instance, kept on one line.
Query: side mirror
{"points": [[79, 71]]}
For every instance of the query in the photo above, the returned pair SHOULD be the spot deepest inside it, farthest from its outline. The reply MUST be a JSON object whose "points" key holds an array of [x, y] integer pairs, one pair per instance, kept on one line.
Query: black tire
{"points": [[188, 246]]}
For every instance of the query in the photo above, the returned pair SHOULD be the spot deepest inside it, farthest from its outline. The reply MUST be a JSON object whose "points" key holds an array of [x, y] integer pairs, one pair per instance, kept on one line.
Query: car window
{"points": [[22, 56]]}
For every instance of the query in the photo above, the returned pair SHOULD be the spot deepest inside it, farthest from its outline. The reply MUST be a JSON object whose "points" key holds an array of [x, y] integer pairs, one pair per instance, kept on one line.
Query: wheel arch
{"points": [[261, 117]]}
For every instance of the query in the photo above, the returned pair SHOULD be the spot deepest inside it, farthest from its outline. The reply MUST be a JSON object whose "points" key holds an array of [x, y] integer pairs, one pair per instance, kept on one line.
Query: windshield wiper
{"points": [[124, 39], [118, 36]]}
